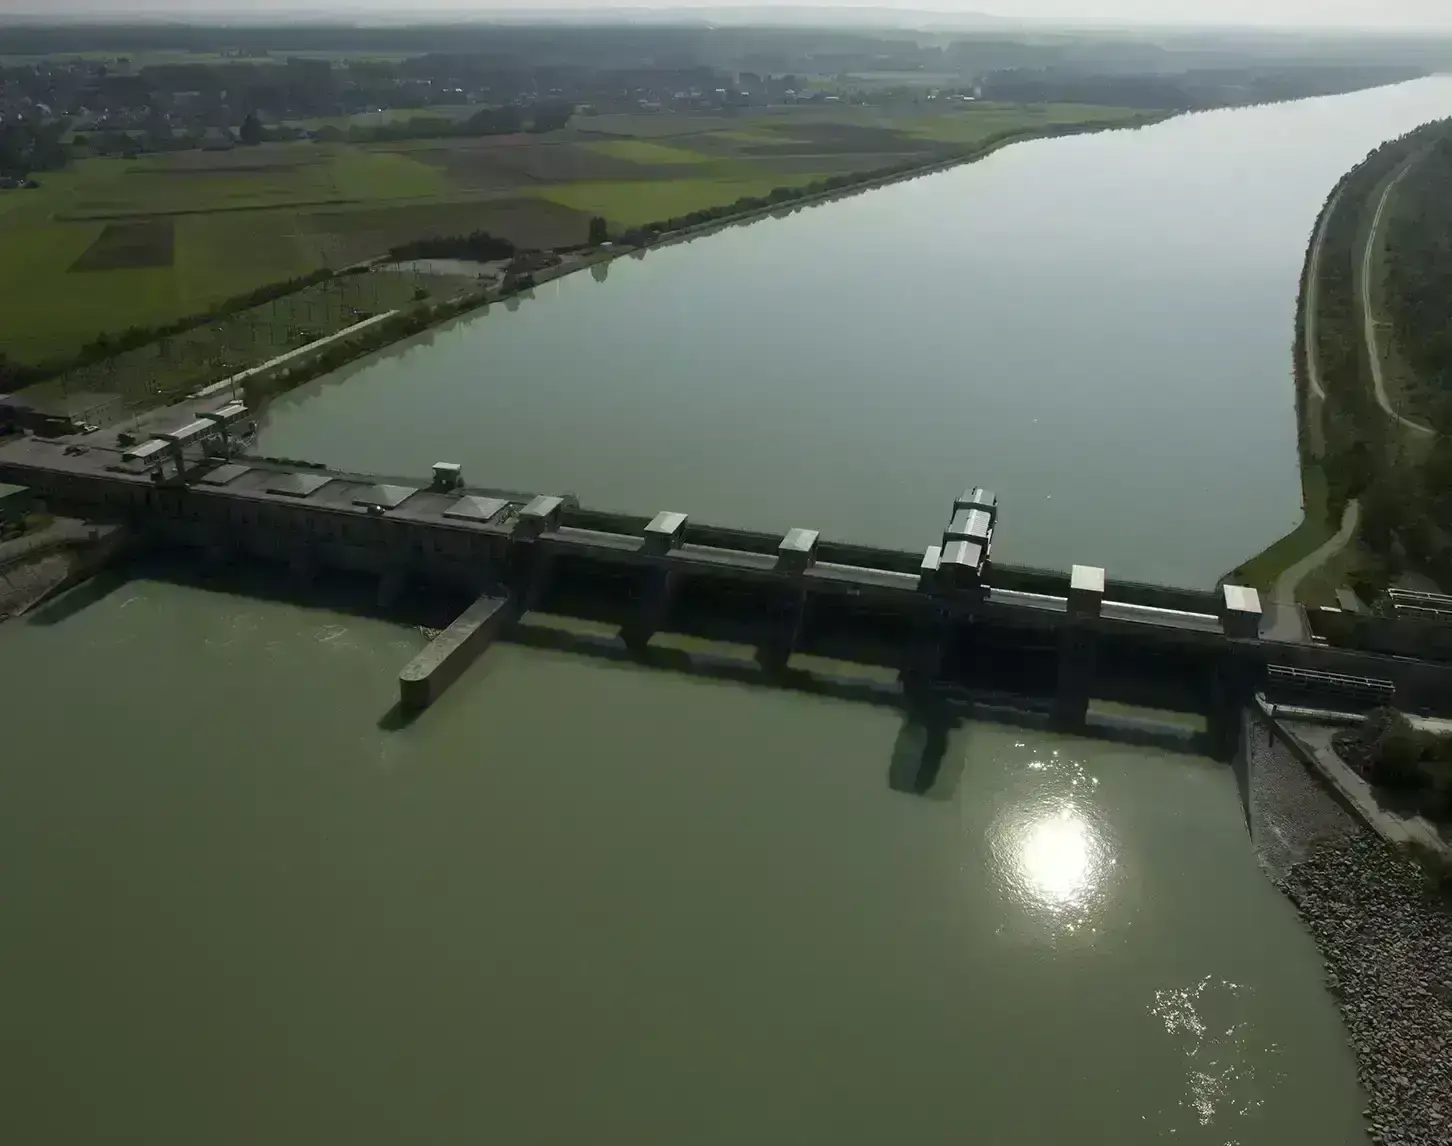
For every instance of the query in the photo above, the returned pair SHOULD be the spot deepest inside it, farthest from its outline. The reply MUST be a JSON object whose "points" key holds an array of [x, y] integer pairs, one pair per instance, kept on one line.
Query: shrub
{"points": [[1395, 748]]}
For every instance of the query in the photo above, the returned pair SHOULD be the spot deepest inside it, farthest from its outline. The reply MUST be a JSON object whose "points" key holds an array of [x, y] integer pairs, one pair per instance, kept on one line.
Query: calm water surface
{"points": [[584, 903], [1099, 327], [581, 903]]}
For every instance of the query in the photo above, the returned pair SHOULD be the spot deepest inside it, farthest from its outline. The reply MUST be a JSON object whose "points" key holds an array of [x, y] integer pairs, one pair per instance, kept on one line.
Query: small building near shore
{"points": [[52, 409]]}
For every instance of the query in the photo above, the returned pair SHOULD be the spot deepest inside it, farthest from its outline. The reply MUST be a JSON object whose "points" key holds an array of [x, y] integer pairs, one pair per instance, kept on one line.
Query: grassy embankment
{"points": [[1262, 570], [1346, 437], [113, 243]]}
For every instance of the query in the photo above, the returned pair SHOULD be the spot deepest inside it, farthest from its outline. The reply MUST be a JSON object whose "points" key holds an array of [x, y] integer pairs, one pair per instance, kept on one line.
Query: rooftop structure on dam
{"points": [[946, 618]]}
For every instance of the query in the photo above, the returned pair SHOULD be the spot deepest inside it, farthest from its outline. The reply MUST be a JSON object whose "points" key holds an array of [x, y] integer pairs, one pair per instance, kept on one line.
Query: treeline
{"points": [[1404, 492], [777, 197], [1188, 90], [405, 324], [14, 375], [506, 120], [783, 196], [27, 147], [480, 246]]}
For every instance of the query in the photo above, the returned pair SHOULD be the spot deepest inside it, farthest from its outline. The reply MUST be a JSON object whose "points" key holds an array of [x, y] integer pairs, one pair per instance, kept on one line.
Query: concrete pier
{"points": [[1239, 672], [783, 636], [654, 610], [426, 677], [391, 585], [1077, 641]]}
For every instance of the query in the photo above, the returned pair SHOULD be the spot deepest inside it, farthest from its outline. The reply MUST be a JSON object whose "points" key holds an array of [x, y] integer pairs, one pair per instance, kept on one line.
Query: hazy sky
{"points": [[1284, 13]]}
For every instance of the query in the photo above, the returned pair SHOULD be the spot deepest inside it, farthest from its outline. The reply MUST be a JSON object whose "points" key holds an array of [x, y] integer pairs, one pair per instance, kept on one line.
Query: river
{"points": [[1098, 327], [579, 901]]}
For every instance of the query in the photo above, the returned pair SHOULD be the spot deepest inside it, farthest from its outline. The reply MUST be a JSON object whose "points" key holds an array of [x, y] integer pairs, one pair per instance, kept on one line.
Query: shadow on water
{"points": [[920, 763], [710, 665], [351, 595], [921, 748], [396, 719], [1243, 761], [80, 598]]}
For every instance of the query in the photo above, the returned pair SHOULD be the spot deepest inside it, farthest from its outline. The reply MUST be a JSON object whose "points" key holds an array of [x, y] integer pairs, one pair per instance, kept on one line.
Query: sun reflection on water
{"points": [[1056, 858], [1051, 848]]}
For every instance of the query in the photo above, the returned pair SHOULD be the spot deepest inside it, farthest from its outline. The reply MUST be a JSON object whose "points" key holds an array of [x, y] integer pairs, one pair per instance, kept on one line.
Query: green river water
{"points": [[581, 902]]}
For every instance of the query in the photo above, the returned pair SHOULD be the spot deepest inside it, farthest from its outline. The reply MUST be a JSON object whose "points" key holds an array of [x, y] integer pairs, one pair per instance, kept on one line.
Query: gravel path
{"points": [[1289, 581], [1386, 941]]}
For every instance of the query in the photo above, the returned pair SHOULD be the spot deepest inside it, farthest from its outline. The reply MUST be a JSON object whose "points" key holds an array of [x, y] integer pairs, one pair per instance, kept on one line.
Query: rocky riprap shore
{"points": [[1387, 942]]}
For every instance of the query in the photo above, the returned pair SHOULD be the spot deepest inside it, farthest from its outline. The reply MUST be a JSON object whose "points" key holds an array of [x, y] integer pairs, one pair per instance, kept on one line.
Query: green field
{"points": [[988, 119], [644, 151], [112, 243], [184, 362]]}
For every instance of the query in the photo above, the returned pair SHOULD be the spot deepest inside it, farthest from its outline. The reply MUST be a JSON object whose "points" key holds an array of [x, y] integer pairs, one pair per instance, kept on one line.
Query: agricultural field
{"points": [[112, 243], [628, 204]]}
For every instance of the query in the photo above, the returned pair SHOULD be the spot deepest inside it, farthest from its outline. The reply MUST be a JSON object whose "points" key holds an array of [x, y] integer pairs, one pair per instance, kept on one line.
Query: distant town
{"points": [[180, 89]]}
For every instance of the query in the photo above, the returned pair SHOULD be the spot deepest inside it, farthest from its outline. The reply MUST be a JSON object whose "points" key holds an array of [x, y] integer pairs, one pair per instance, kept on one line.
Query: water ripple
{"points": [[1050, 847], [1209, 1023]]}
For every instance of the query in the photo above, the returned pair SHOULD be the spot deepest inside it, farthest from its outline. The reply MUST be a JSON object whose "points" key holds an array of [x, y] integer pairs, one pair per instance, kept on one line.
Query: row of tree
{"points": [[1195, 88], [405, 324], [506, 120], [480, 246]]}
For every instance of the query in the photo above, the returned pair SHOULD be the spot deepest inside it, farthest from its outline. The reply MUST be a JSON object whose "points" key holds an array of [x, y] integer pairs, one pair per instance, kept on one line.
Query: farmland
{"points": [[111, 243], [163, 370]]}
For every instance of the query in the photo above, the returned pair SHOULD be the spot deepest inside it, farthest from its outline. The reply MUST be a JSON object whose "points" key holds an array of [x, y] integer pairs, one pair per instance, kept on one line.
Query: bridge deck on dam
{"points": [[305, 502], [190, 486]]}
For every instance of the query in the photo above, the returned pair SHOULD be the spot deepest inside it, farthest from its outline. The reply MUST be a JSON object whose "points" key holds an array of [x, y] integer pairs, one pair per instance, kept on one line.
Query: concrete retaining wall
{"points": [[426, 677]]}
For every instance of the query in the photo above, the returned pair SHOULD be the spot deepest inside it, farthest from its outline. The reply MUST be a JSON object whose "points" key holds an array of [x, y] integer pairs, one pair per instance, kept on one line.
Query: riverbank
{"points": [[1384, 934], [413, 321], [1350, 440], [1267, 569], [771, 340], [1387, 943]]}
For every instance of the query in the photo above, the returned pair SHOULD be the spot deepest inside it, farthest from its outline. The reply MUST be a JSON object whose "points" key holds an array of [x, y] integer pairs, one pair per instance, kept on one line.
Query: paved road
{"points": [[1288, 582], [1373, 350]]}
